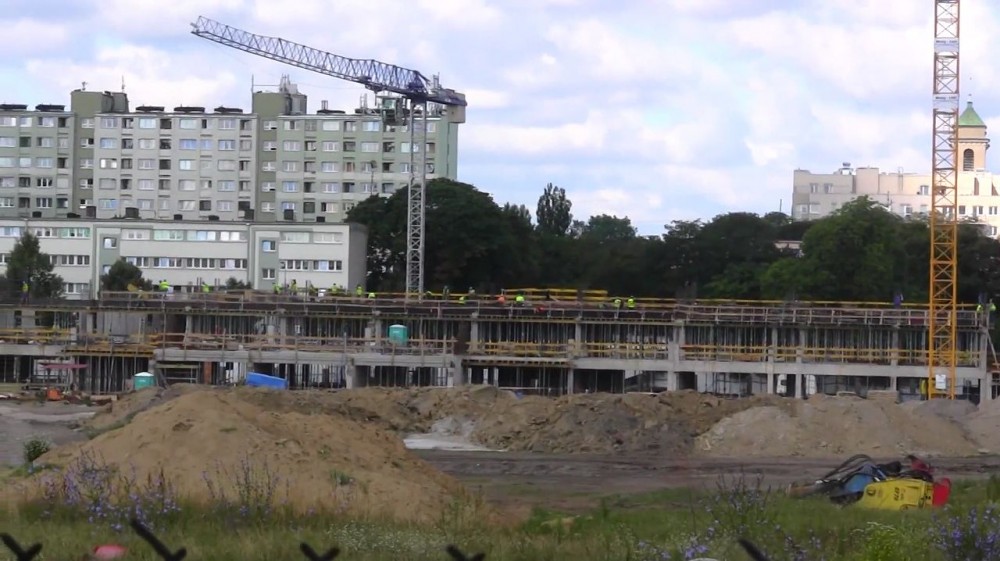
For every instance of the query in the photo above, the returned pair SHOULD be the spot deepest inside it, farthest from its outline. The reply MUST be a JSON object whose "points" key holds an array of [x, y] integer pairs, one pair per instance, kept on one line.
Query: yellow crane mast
{"points": [[942, 335]]}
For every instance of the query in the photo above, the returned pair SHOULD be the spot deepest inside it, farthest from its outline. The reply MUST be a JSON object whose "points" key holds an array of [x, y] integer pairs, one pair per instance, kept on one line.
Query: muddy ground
{"points": [[575, 482]]}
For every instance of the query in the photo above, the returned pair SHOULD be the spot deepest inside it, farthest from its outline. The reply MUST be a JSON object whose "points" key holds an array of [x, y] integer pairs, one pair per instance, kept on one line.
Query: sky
{"points": [[658, 110]]}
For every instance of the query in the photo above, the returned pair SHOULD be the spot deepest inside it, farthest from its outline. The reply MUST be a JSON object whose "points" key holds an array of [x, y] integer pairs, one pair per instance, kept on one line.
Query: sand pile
{"points": [[319, 460], [838, 426], [580, 423], [117, 413]]}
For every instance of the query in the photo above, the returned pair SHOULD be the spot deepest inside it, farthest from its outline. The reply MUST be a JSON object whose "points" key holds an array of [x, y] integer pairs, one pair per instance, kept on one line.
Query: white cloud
{"points": [[655, 110], [27, 37]]}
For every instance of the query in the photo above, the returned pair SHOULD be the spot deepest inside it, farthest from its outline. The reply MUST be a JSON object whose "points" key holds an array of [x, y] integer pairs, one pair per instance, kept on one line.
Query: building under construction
{"points": [[542, 346]]}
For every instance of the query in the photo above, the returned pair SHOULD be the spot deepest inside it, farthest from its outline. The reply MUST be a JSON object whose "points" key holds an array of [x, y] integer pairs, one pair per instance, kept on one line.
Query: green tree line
{"points": [[862, 252]]}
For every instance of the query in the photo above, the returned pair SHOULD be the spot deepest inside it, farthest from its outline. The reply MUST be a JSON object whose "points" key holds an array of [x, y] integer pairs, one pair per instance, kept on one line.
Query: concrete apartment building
{"points": [[188, 253], [101, 158], [816, 195]]}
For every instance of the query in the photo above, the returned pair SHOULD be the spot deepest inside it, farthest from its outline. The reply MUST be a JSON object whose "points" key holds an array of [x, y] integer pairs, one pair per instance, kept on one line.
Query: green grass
{"points": [[623, 527]]}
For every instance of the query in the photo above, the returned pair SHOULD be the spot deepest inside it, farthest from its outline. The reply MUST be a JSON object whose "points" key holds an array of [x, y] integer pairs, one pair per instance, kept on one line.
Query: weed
{"points": [[34, 448]]}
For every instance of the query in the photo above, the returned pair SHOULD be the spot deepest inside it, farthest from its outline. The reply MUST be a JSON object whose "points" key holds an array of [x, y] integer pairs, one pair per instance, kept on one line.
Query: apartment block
{"points": [[815, 195], [105, 159], [189, 253], [36, 160]]}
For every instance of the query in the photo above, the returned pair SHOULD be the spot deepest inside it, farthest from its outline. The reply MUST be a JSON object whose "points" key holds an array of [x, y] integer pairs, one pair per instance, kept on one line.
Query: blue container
{"points": [[258, 380], [398, 334], [143, 380]]}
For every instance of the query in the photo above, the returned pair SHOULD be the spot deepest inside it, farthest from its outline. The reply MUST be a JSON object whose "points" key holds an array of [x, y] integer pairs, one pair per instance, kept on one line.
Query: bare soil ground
{"points": [[559, 453]]}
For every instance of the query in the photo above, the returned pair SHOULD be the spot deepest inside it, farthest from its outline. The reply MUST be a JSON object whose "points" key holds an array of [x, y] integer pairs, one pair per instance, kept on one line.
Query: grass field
{"points": [[73, 516]]}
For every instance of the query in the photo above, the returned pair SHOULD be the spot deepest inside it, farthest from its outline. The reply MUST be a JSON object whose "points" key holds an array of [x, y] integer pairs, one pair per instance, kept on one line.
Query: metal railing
{"points": [[713, 312], [148, 344]]}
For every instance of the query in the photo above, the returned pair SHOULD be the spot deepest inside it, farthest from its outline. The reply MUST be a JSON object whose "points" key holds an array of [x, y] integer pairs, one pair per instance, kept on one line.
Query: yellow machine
{"points": [[897, 494]]}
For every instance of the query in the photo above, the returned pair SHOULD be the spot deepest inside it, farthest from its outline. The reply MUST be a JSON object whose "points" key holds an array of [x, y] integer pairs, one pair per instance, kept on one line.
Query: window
{"points": [[185, 165], [331, 146], [147, 123], [294, 265], [290, 186], [268, 274], [335, 265], [147, 163], [109, 163], [371, 126], [106, 143], [108, 204], [109, 122], [924, 190], [188, 123], [74, 233], [224, 206], [135, 234], [227, 165], [146, 185], [227, 185], [205, 205], [147, 144], [331, 187], [269, 246], [295, 237], [290, 166], [168, 235], [186, 205], [270, 146], [227, 124], [227, 145], [44, 163], [43, 202], [187, 185], [233, 264], [145, 204], [328, 237], [291, 146], [246, 145], [370, 147], [110, 243], [266, 186]]}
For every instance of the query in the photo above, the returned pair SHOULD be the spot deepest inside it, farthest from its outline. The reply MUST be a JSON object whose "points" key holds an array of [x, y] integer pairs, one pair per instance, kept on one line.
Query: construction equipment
{"points": [[863, 482], [411, 93], [942, 323]]}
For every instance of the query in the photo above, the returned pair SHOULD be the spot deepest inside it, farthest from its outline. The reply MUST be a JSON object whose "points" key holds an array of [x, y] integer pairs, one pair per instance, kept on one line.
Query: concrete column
{"points": [[894, 355], [800, 350], [459, 374], [986, 380], [474, 338], [578, 345], [351, 375], [772, 356], [570, 381], [675, 348]]}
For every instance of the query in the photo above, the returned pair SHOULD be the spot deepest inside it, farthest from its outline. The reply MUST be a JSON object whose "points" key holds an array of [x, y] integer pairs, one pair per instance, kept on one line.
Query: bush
{"points": [[33, 449]]}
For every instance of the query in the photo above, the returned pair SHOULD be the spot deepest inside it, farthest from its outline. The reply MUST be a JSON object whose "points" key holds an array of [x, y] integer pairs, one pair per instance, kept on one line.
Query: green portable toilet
{"points": [[398, 334], [143, 380]]}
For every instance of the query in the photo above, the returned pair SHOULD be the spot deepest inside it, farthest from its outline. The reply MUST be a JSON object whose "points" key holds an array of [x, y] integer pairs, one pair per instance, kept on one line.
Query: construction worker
{"points": [[519, 299], [25, 290], [205, 287], [617, 303], [461, 299], [295, 288], [630, 303], [371, 295], [164, 285], [359, 291], [501, 299]]}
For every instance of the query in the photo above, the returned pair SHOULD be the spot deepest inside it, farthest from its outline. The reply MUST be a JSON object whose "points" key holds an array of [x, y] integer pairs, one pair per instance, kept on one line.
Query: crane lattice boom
{"points": [[375, 75], [942, 321]]}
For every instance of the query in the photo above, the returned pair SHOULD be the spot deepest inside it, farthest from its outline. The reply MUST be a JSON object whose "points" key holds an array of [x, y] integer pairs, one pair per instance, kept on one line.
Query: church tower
{"points": [[972, 140]]}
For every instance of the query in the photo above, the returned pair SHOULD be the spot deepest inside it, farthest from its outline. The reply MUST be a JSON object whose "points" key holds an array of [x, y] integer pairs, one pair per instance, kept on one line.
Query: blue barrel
{"points": [[398, 334], [143, 380]]}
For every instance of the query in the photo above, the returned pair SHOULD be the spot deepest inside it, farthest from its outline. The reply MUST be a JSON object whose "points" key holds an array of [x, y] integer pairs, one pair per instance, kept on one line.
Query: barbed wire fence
{"points": [[163, 552]]}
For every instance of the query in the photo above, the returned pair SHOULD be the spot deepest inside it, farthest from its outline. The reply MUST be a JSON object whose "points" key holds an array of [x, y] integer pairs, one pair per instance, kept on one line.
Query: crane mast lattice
{"points": [[942, 312], [415, 95]]}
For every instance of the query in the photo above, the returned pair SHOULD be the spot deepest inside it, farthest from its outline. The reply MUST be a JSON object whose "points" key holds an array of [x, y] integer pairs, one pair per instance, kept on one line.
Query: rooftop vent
{"points": [[49, 107], [189, 109], [150, 109], [13, 107], [224, 109]]}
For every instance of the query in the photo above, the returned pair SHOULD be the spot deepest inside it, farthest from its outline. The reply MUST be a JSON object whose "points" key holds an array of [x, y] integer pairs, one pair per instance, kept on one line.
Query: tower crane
{"points": [[413, 93], [942, 311]]}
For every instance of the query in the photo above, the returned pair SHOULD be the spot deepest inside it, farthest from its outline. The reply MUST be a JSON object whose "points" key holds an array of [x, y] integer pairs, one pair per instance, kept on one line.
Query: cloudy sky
{"points": [[654, 109]]}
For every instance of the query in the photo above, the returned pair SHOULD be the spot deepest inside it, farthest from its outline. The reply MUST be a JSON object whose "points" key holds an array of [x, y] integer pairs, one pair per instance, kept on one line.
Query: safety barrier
{"points": [[228, 343], [662, 311], [35, 336]]}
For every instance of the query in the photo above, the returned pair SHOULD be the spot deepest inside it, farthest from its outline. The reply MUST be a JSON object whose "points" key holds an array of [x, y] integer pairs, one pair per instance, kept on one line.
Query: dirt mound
{"points": [[580, 423], [318, 460], [837, 426], [119, 412]]}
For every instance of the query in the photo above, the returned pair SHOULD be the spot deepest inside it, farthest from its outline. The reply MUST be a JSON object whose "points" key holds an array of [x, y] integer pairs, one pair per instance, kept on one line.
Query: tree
{"points": [[553, 213], [233, 283], [27, 263], [605, 228], [122, 275], [468, 239]]}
